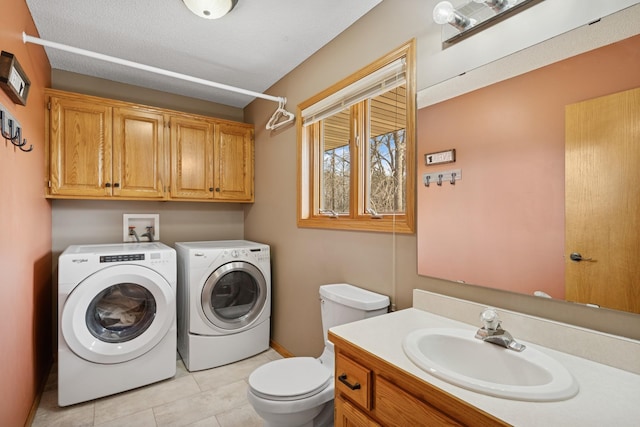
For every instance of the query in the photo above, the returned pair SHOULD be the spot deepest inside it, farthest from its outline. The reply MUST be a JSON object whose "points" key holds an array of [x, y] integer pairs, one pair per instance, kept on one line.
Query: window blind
{"points": [[380, 81]]}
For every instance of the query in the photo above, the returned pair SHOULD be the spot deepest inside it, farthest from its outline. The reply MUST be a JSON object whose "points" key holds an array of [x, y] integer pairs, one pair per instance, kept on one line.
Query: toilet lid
{"points": [[290, 379]]}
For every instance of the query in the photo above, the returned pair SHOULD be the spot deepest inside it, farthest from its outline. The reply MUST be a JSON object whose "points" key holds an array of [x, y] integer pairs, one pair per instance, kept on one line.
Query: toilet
{"points": [[299, 391]]}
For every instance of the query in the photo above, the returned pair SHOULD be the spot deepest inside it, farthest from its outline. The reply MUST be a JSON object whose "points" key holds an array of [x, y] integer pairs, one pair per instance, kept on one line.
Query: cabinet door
{"points": [[395, 406], [191, 158], [79, 148], [233, 167], [138, 158], [347, 415]]}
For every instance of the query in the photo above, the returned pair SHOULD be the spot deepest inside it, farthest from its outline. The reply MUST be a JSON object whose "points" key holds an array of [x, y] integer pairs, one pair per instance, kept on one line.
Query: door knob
{"points": [[577, 257]]}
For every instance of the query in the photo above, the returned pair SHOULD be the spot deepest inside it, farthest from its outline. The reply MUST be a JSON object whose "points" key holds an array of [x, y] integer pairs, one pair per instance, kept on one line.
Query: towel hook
{"points": [[14, 138], [453, 178], [440, 180], [426, 180]]}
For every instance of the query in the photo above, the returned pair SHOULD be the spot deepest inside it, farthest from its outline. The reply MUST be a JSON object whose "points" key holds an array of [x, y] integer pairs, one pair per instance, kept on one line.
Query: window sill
{"points": [[383, 225]]}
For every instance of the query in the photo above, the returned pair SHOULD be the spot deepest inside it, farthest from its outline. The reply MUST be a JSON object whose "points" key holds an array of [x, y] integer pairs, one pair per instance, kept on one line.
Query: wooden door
{"points": [[602, 185], [191, 158], [138, 157], [233, 167], [79, 147]]}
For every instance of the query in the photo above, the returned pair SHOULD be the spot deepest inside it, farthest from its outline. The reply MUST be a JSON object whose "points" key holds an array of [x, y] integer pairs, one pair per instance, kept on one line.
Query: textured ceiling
{"points": [[252, 47]]}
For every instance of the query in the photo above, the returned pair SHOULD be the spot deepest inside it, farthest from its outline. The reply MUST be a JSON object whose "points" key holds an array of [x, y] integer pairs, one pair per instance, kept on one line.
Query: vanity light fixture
{"points": [[473, 16], [210, 9], [497, 5]]}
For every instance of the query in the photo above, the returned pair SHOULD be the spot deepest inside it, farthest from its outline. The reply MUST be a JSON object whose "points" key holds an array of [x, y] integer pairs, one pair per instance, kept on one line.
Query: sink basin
{"points": [[457, 357]]}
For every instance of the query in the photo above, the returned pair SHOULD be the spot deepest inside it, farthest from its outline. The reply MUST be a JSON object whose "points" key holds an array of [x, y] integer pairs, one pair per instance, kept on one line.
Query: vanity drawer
{"points": [[353, 381], [394, 406]]}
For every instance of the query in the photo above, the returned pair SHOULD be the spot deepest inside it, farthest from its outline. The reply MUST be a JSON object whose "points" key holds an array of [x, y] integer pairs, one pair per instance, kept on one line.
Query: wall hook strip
{"points": [[439, 177], [13, 131]]}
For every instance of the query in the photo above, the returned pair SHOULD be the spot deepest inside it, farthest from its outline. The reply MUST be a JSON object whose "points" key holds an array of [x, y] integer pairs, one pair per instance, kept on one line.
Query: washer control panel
{"points": [[121, 257]]}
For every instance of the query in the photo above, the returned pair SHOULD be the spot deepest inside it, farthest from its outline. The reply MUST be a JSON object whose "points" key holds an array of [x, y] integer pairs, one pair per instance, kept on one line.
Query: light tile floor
{"points": [[213, 398]]}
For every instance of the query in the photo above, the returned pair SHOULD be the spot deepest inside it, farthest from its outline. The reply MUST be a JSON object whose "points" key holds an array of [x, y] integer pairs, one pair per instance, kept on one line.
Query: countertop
{"points": [[608, 396]]}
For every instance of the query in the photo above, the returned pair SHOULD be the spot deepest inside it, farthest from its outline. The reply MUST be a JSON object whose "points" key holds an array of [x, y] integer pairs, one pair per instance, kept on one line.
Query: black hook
{"points": [[16, 139], [440, 179], [453, 178], [427, 179]]}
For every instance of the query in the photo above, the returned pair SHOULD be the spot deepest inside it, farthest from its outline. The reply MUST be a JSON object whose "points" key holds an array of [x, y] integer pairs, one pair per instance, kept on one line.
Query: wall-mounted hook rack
{"points": [[11, 130], [443, 176]]}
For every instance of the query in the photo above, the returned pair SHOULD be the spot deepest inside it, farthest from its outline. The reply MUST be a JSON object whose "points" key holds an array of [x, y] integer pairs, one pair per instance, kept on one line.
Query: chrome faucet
{"points": [[149, 233], [493, 333], [132, 232]]}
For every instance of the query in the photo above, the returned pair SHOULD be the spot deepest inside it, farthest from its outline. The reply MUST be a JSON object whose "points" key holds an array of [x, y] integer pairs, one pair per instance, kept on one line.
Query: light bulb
{"points": [[443, 12]]}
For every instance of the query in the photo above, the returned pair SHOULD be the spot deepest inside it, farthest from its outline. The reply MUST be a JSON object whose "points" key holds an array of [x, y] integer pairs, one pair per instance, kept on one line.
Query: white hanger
{"points": [[280, 117]]}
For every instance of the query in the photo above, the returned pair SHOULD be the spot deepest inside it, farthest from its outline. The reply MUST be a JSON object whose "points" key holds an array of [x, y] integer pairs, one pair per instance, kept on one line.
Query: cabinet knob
{"points": [[211, 189], [217, 189], [108, 185], [117, 184]]}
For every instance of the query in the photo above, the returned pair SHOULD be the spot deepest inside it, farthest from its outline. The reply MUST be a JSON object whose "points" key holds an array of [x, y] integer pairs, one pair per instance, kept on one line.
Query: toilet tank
{"points": [[342, 303]]}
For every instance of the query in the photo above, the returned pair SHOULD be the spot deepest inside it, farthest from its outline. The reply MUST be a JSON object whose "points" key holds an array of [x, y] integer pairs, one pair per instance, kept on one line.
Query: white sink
{"points": [[457, 357]]}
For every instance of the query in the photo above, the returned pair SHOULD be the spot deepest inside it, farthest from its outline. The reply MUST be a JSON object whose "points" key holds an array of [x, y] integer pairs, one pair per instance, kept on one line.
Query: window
{"points": [[356, 144]]}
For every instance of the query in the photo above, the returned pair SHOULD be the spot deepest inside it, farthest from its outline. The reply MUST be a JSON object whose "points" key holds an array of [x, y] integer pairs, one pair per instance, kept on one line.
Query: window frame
{"points": [[309, 169]]}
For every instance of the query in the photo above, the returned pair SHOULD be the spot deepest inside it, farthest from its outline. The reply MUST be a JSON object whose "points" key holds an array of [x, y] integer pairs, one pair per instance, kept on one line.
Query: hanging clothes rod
{"points": [[35, 40]]}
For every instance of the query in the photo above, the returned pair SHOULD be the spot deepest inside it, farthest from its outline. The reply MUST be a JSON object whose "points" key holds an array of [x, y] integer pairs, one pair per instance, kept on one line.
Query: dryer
{"points": [[116, 318], [224, 301]]}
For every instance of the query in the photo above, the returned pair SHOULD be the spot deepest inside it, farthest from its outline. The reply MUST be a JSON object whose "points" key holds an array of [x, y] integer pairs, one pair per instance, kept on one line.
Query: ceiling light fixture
{"points": [[473, 16], [210, 9]]}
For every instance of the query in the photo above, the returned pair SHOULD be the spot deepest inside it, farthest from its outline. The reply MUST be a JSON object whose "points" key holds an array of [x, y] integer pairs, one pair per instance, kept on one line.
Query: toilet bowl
{"points": [[299, 391], [292, 392]]}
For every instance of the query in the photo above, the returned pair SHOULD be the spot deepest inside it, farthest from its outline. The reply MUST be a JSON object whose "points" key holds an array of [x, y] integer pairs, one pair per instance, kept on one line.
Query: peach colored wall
{"points": [[509, 141], [25, 233]]}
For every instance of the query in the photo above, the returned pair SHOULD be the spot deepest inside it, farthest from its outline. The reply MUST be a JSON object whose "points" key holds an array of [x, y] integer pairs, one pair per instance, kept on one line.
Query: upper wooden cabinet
{"points": [[138, 153], [191, 158], [211, 160], [100, 148], [80, 141], [233, 156]]}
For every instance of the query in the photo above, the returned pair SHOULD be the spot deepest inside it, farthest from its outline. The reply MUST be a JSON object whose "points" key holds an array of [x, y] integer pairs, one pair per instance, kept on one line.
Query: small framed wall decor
{"points": [[440, 157], [13, 79]]}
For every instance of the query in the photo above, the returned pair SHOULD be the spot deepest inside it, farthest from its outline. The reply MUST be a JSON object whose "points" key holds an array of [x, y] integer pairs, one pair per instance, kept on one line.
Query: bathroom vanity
{"points": [[378, 385]]}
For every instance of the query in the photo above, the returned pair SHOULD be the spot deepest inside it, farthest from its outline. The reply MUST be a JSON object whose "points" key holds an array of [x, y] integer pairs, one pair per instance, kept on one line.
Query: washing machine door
{"points": [[118, 313], [234, 295]]}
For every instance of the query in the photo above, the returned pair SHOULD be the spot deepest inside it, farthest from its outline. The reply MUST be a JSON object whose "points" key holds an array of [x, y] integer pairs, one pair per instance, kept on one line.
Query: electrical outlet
{"points": [[139, 223]]}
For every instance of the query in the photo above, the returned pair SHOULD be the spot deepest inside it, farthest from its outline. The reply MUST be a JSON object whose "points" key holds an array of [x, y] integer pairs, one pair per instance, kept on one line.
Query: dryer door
{"points": [[118, 313], [234, 295]]}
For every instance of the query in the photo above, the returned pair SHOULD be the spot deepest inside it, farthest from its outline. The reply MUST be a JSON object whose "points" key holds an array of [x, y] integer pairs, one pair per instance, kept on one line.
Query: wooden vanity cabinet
{"points": [[372, 392], [103, 149]]}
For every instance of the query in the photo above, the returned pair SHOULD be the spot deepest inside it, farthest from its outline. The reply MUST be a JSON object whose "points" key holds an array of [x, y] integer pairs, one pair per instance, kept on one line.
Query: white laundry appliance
{"points": [[224, 301], [116, 318]]}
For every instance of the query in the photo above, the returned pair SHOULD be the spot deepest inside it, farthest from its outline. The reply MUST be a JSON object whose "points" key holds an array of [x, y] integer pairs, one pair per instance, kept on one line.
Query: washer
{"points": [[116, 318], [224, 301]]}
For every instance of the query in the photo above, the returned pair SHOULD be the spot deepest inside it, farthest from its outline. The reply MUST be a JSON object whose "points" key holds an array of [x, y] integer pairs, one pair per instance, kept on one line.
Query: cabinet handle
{"points": [[217, 189], [108, 185], [211, 189], [117, 184], [343, 379]]}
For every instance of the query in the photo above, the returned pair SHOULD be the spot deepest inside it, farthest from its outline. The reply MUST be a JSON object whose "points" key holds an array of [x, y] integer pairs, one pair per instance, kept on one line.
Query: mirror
{"points": [[503, 224]]}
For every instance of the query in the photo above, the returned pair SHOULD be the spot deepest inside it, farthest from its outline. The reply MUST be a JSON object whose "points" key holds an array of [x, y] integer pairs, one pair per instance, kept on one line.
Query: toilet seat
{"points": [[290, 379]]}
